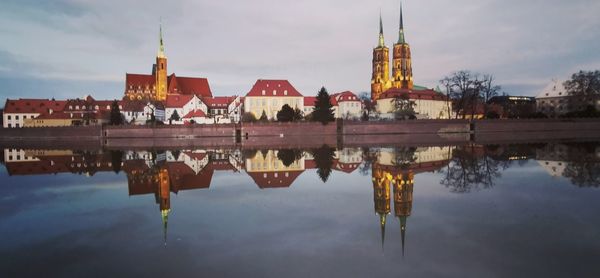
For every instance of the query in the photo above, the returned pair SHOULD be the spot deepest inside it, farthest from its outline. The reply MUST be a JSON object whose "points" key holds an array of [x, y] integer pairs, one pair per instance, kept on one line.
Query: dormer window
{"points": [[274, 92], [285, 92], [76, 107]]}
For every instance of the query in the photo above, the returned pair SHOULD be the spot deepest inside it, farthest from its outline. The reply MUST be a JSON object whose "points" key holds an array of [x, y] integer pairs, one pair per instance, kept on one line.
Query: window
{"points": [[274, 92], [263, 92], [285, 92], [16, 117], [76, 107], [9, 125], [9, 117]]}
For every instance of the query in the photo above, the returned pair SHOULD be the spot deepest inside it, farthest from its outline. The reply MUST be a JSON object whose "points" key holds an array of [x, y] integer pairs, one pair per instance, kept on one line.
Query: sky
{"points": [[72, 48]]}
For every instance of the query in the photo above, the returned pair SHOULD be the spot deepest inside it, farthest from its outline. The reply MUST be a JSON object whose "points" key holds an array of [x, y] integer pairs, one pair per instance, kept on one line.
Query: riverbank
{"points": [[347, 133]]}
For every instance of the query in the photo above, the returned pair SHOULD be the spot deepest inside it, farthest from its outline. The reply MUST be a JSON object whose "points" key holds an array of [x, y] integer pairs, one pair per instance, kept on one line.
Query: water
{"points": [[442, 211]]}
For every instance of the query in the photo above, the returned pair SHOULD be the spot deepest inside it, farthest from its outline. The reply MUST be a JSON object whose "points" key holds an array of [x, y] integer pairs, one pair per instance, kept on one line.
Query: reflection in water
{"points": [[392, 170]]}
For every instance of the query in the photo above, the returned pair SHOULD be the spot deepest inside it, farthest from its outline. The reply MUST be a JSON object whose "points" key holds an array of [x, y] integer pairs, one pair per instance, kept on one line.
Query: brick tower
{"points": [[380, 80], [402, 76]]}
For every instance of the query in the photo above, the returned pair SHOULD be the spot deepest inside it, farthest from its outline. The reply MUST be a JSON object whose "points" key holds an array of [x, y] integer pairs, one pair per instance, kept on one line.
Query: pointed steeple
{"points": [[165, 218], [382, 219], [403, 231], [161, 46], [401, 38], [381, 39]]}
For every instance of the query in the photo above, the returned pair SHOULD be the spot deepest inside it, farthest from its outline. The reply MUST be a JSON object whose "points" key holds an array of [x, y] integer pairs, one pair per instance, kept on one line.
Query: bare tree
{"points": [[467, 90]]}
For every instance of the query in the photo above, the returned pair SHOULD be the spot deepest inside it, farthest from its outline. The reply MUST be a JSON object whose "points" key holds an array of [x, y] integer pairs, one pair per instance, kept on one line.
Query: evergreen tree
{"points": [[286, 114], [323, 111], [298, 114], [174, 117], [263, 117], [115, 114]]}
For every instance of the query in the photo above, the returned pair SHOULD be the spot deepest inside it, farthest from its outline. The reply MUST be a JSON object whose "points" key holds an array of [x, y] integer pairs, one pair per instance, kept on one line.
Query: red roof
{"points": [[132, 105], [135, 81], [427, 94], [274, 179], [40, 106], [310, 101], [178, 101], [176, 85], [344, 96], [278, 88], [218, 102], [189, 86], [195, 114]]}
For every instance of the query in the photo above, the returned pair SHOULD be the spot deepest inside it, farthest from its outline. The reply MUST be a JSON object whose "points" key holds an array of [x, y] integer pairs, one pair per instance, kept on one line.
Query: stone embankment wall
{"points": [[405, 127], [288, 129], [166, 131], [51, 133]]}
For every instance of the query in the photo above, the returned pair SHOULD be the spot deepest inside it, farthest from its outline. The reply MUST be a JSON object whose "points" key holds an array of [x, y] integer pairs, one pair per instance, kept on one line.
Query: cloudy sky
{"points": [[70, 48]]}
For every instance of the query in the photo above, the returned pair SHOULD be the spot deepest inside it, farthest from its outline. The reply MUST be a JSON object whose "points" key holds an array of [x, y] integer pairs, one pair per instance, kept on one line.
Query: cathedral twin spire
{"points": [[401, 38], [161, 46]]}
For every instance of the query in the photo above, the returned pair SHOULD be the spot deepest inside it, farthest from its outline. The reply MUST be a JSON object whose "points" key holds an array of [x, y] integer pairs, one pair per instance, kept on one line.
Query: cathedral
{"points": [[386, 89], [158, 85], [402, 76]]}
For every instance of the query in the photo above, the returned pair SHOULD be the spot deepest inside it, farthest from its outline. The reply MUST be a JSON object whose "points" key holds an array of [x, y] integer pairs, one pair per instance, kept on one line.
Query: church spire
{"points": [[403, 231], [401, 38], [161, 46], [382, 218], [165, 218], [381, 40]]}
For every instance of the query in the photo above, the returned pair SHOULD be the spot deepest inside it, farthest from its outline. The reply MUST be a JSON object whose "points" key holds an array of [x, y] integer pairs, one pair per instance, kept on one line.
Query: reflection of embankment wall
{"points": [[538, 130]]}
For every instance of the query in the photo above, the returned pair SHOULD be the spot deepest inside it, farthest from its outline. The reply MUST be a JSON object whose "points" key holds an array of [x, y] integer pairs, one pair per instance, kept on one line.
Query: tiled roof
{"points": [[344, 96], [555, 89], [132, 105], [135, 80], [218, 102], [40, 106], [273, 88], [189, 86], [310, 101], [274, 179], [195, 114], [413, 94], [178, 101]]}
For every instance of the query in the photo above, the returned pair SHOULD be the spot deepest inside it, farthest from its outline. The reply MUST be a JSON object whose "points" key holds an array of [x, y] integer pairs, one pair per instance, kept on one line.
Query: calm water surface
{"points": [[443, 211]]}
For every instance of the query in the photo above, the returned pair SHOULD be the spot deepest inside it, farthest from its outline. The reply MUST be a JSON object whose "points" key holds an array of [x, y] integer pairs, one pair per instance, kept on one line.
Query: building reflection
{"points": [[393, 171]]}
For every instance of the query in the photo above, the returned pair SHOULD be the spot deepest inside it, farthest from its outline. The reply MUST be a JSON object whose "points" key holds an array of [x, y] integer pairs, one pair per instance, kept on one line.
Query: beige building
{"points": [[429, 104], [269, 96]]}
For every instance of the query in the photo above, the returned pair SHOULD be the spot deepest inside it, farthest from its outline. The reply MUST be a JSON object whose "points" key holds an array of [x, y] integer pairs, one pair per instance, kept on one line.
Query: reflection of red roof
{"points": [[346, 167], [273, 88], [427, 94], [182, 177], [310, 164], [194, 114], [178, 101], [59, 116], [40, 106], [274, 179], [196, 156]]}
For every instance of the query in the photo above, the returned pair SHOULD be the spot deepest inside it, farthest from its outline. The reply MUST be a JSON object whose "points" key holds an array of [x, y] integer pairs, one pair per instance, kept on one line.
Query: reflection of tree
{"points": [[583, 168], [369, 156], [404, 157], [176, 153], [288, 157], [469, 170], [323, 157], [116, 159]]}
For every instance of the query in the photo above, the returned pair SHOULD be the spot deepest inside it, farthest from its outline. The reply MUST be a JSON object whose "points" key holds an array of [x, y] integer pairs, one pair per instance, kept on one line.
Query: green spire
{"points": [[161, 46], [165, 218], [401, 39], [381, 40]]}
